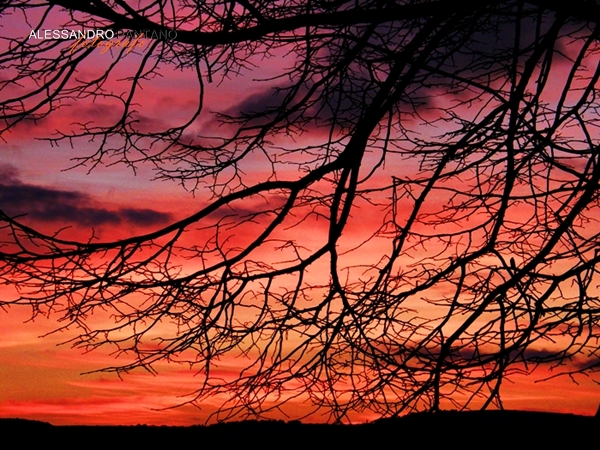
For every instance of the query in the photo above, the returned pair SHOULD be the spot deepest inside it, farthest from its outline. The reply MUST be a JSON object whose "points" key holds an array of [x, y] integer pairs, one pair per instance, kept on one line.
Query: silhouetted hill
{"points": [[23, 424], [487, 429]]}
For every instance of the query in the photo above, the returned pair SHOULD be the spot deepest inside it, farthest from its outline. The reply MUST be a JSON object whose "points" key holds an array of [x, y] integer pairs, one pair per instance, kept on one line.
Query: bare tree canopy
{"points": [[401, 214]]}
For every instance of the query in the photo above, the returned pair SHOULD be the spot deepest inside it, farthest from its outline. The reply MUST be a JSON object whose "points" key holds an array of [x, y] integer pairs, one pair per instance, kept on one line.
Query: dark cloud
{"points": [[8, 173], [144, 216], [260, 102], [55, 205], [535, 355], [99, 111], [583, 364], [247, 210], [149, 124], [578, 361], [343, 105]]}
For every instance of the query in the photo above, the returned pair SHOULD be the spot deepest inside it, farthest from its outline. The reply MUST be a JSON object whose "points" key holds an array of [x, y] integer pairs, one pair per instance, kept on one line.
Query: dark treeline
{"points": [[475, 429]]}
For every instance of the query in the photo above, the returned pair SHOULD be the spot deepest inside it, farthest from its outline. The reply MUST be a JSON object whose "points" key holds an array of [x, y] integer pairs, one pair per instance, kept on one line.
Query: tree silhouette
{"points": [[403, 215]]}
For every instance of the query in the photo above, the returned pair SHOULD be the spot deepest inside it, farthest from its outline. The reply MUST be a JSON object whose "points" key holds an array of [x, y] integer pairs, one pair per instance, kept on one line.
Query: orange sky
{"points": [[40, 379]]}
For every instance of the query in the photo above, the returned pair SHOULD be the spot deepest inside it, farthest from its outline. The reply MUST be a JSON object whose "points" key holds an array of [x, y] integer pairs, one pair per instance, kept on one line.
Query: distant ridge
{"points": [[13, 423], [469, 429]]}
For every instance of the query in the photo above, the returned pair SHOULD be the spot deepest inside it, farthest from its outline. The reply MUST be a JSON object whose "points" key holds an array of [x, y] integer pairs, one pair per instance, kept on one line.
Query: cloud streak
{"points": [[47, 204]]}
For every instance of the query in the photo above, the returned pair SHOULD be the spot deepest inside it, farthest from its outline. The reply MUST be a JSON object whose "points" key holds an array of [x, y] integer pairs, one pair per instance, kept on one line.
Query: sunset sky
{"points": [[43, 377]]}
